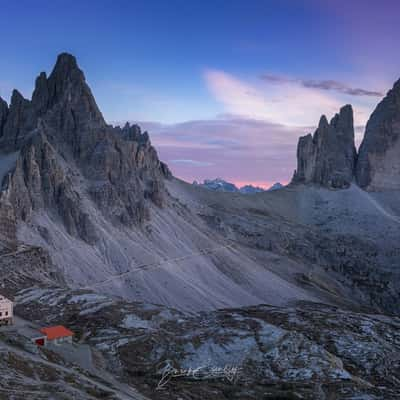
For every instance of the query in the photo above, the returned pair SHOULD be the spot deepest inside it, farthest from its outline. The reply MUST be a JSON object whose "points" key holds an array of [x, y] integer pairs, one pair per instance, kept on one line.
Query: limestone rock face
{"points": [[8, 234], [70, 160], [20, 122], [378, 166], [328, 157], [40, 96], [3, 114], [40, 181]]}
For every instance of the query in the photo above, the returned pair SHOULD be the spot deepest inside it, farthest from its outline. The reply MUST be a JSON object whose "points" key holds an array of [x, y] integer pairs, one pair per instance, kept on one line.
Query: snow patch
{"points": [[132, 321], [87, 298]]}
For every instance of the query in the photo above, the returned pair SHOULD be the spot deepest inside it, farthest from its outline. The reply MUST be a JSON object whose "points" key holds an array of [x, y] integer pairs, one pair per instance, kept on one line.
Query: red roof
{"points": [[55, 332]]}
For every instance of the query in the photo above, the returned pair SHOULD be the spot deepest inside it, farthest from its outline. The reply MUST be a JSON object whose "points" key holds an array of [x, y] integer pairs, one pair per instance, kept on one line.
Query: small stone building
{"points": [[6, 311], [57, 334]]}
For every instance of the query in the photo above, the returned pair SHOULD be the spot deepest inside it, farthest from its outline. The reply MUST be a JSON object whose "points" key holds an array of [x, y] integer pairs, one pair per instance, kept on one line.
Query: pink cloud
{"points": [[240, 150], [288, 103]]}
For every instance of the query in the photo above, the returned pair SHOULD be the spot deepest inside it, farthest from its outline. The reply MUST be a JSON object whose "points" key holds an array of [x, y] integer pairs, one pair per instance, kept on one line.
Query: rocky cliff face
{"points": [[67, 153], [328, 157], [8, 234], [378, 166], [3, 114]]}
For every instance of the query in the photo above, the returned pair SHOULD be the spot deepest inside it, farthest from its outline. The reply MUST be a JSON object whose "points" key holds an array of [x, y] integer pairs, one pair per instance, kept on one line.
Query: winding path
{"points": [[157, 264]]}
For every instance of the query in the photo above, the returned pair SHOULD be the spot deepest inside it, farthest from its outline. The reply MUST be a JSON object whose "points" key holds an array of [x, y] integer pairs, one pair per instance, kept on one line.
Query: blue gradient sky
{"points": [[224, 87]]}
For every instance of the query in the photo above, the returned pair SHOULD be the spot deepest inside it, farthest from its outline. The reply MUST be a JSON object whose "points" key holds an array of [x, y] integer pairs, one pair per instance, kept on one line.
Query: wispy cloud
{"points": [[287, 104], [328, 84], [194, 163], [239, 97]]}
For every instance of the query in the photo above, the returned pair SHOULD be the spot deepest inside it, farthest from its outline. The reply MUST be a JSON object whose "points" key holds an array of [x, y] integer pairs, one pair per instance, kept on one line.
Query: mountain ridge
{"points": [[219, 184], [62, 124]]}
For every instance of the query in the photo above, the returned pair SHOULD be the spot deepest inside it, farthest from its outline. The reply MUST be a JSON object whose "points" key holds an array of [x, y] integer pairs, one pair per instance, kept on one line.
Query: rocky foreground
{"points": [[306, 351]]}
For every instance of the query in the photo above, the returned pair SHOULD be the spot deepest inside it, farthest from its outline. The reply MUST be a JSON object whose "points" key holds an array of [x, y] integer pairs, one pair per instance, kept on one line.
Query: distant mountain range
{"points": [[221, 185]]}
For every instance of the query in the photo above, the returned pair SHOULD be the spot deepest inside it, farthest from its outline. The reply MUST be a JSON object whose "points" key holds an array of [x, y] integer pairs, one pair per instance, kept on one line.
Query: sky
{"points": [[224, 87]]}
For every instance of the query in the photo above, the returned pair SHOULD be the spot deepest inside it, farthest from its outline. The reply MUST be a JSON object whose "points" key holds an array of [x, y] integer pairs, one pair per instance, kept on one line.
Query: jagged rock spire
{"points": [[3, 114], [64, 94], [66, 76], [66, 88], [20, 121], [328, 157], [378, 166], [40, 96]]}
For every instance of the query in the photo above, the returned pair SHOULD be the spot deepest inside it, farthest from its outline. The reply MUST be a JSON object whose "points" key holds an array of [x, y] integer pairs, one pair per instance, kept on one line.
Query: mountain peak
{"points": [[67, 87], [347, 108], [328, 158], [63, 99], [343, 121], [66, 63], [323, 122], [65, 57], [3, 104], [16, 97], [275, 186], [3, 114], [66, 76], [346, 114], [220, 185], [396, 85]]}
